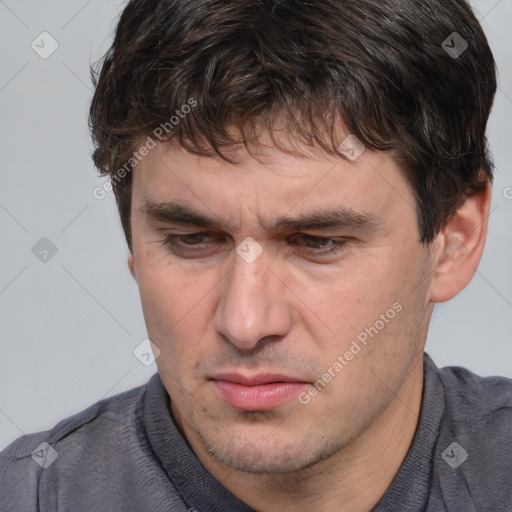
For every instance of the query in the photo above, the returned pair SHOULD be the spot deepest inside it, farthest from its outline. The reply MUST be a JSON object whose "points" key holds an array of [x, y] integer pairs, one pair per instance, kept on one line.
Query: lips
{"points": [[257, 392]]}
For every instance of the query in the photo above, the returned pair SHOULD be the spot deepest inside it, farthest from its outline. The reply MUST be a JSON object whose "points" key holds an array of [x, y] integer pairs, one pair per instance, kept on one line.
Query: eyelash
{"points": [[171, 241]]}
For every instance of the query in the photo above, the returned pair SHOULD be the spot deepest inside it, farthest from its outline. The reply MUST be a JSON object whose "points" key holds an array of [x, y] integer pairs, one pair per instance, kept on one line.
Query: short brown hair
{"points": [[380, 65]]}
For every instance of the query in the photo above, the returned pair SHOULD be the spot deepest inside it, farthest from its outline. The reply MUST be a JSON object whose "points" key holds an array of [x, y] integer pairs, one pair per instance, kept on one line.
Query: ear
{"points": [[131, 265], [459, 246]]}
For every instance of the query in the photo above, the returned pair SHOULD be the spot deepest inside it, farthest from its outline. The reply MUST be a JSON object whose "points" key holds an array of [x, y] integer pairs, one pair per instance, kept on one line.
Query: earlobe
{"points": [[131, 265], [459, 246]]}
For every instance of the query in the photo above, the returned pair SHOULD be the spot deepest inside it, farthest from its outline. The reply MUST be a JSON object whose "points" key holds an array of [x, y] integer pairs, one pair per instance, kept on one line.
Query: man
{"points": [[299, 183]]}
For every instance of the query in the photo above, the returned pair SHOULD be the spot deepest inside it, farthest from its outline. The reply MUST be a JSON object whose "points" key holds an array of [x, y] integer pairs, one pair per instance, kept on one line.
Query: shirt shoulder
{"points": [[117, 408], [31, 466], [474, 402], [474, 448]]}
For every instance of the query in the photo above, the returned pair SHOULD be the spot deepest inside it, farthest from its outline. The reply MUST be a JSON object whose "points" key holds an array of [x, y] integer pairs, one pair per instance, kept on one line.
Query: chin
{"points": [[279, 457]]}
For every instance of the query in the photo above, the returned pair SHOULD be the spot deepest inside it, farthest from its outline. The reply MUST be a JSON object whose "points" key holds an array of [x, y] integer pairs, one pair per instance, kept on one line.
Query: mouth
{"points": [[261, 392]]}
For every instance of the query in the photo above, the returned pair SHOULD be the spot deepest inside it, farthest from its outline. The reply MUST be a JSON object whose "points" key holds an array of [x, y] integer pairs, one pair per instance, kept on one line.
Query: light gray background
{"points": [[69, 326]]}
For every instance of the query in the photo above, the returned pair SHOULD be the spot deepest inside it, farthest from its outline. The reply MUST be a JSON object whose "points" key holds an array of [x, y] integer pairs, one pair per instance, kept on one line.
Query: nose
{"points": [[252, 304]]}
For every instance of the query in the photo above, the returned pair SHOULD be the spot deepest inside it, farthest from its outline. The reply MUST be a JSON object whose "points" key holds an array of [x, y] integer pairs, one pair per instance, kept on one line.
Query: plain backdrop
{"points": [[70, 324]]}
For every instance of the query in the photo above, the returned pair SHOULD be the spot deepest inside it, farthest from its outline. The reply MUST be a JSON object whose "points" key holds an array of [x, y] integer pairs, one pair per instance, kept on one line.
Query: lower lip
{"points": [[258, 398]]}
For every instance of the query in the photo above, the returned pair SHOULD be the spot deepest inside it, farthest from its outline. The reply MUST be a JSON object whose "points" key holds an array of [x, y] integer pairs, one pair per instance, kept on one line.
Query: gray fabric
{"points": [[126, 454]]}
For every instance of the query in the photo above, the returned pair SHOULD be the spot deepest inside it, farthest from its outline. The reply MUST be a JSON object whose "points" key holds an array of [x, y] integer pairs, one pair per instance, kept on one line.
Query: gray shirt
{"points": [[126, 454]]}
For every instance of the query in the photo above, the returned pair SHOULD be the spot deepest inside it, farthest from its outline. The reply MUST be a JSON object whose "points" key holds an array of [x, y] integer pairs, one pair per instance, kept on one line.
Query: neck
{"points": [[354, 479]]}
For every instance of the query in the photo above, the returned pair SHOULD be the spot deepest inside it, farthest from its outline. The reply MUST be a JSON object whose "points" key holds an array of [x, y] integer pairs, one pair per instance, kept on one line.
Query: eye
{"points": [[191, 242], [320, 246], [190, 239]]}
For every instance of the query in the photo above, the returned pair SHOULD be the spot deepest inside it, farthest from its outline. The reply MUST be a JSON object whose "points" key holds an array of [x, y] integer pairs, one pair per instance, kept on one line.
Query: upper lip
{"points": [[256, 380]]}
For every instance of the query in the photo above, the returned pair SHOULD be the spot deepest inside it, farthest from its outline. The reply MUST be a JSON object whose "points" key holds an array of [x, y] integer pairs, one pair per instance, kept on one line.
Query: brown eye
{"points": [[320, 246], [191, 243], [192, 239]]}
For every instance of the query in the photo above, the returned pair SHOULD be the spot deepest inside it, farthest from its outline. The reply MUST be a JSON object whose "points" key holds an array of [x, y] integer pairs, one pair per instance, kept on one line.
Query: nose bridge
{"points": [[251, 305]]}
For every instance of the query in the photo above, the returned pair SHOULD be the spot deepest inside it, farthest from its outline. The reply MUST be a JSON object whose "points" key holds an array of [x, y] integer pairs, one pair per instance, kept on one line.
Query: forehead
{"points": [[272, 183]]}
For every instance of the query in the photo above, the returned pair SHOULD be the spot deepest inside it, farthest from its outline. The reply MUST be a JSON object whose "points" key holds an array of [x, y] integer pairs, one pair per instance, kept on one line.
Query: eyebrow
{"points": [[328, 219]]}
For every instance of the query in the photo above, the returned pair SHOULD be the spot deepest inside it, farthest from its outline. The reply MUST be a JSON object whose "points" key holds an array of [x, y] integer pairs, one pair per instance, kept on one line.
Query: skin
{"points": [[294, 312]]}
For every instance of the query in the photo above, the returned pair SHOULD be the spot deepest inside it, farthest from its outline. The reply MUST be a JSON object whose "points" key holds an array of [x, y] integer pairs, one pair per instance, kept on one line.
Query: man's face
{"points": [[245, 335]]}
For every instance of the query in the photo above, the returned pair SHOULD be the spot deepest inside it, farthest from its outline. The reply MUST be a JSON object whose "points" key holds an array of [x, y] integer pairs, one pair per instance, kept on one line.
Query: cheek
{"points": [[348, 302], [166, 290], [176, 310], [364, 309], [158, 293]]}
